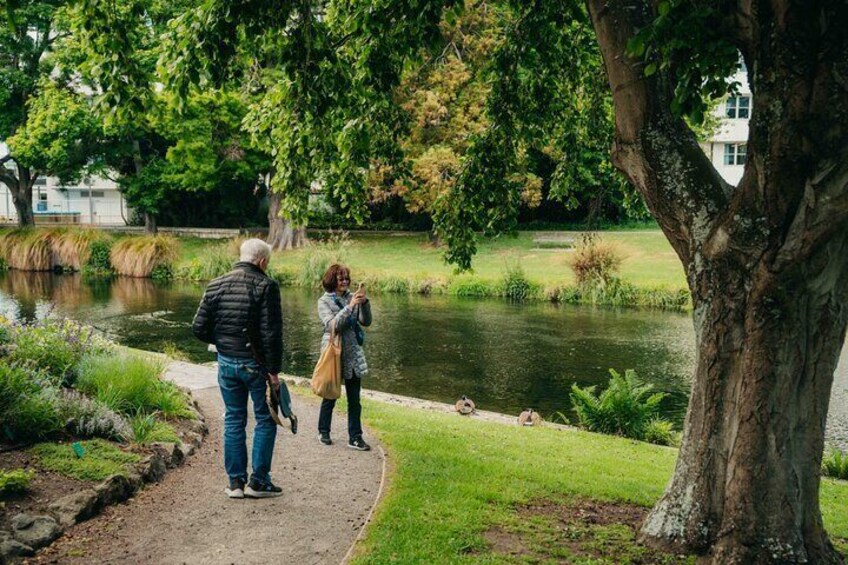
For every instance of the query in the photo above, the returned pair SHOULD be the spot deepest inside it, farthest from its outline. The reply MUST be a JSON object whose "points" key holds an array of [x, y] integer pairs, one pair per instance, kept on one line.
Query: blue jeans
{"points": [[237, 378]]}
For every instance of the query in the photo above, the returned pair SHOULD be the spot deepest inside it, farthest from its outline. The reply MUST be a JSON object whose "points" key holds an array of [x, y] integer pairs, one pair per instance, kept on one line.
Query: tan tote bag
{"points": [[327, 376]]}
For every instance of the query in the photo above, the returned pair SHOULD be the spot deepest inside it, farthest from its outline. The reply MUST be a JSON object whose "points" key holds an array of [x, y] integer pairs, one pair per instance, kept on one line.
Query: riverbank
{"points": [[530, 266]]}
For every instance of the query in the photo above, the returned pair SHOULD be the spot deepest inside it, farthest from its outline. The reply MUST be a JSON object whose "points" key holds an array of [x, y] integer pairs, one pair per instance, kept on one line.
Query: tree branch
{"points": [[655, 149]]}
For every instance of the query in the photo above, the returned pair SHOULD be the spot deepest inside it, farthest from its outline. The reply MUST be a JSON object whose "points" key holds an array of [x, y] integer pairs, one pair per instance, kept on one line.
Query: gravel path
{"points": [[328, 494]]}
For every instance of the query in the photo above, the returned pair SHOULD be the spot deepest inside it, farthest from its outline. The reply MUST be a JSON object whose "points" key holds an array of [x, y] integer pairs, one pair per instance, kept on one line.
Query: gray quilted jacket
{"points": [[353, 357]]}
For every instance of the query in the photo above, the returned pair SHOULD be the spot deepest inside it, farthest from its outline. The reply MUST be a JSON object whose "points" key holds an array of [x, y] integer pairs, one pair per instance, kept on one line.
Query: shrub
{"points": [[625, 408], [15, 481], [319, 256], [213, 262], [88, 417], [515, 284], [595, 260], [72, 248], [98, 263], [835, 464], [100, 459], [146, 429], [129, 384], [54, 347], [162, 272], [470, 286], [395, 285], [661, 432], [141, 256], [27, 412]]}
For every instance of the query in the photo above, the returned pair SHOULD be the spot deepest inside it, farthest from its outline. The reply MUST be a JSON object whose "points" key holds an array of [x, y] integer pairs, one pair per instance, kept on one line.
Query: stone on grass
{"points": [[41, 531], [153, 468]]}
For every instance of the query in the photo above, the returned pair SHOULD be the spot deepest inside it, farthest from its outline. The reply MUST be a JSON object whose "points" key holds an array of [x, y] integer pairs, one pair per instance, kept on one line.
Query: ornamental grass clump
{"points": [[625, 408], [318, 257], [595, 261], [130, 384], [142, 256], [28, 249]]}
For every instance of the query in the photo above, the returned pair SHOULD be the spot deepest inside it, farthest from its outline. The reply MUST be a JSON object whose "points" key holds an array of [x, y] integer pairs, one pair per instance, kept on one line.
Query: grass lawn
{"points": [[648, 258], [466, 491]]}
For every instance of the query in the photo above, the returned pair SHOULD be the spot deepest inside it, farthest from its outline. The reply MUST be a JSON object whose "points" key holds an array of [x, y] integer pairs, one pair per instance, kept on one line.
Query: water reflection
{"points": [[506, 357]]}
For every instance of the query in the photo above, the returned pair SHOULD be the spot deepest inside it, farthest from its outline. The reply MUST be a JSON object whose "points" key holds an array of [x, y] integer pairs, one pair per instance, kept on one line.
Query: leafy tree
{"points": [[30, 29]]}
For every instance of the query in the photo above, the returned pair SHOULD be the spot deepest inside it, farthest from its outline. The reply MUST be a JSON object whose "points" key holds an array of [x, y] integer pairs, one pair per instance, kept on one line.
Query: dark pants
{"points": [[354, 410]]}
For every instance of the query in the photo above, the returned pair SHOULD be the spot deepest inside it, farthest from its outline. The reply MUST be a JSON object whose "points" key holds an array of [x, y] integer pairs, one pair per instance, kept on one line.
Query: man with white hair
{"points": [[240, 314]]}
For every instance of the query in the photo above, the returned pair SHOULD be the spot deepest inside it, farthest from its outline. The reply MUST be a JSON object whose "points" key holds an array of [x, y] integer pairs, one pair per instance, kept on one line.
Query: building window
{"points": [[738, 107], [97, 194], [83, 194], [42, 196], [40, 181], [735, 153]]}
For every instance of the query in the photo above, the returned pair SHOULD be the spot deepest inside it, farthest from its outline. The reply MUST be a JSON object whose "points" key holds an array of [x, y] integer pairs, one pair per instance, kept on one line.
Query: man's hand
{"points": [[274, 379]]}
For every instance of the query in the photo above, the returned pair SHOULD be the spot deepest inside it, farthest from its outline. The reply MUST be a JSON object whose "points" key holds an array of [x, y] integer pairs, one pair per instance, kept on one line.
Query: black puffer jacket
{"points": [[243, 304]]}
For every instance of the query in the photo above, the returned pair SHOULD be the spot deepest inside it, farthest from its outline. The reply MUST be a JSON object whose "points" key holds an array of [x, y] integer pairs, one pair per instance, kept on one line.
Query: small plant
{"points": [[54, 347], [98, 263], [626, 408], [146, 429], [661, 432], [27, 412], [130, 384], [15, 481], [162, 272], [88, 417], [835, 464], [515, 284], [595, 261], [100, 459]]}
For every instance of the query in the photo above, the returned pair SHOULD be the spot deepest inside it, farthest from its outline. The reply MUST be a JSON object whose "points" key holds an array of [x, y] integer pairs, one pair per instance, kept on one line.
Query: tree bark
{"points": [[20, 186], [150, 226], [765, 262], [282, 235]]}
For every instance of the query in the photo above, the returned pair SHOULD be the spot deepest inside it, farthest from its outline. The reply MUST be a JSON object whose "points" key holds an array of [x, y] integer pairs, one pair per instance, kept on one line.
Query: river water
{"points": [[505, 356]]}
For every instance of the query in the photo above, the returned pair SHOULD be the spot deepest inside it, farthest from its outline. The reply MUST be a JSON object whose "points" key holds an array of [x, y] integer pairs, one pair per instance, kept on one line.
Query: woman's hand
{"points": [[358, 299]]}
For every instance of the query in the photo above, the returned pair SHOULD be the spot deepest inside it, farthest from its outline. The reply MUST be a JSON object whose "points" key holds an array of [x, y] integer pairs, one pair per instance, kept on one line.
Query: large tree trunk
{"points": [[765, 262], [150, 226], [282, 235], [21, 189]]}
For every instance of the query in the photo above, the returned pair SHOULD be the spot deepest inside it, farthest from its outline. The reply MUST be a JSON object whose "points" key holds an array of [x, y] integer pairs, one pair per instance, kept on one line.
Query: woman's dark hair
{"points": [[331, 277]]}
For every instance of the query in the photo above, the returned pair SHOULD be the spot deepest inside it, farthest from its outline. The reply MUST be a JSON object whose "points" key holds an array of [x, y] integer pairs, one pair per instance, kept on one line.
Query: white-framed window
{"points": [[738, 107], [735, 153], [42, 196]]}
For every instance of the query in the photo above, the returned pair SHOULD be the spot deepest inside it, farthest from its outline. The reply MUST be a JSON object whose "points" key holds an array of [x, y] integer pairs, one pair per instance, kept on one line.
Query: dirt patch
{"points": [[45, 487], [575, 531]]}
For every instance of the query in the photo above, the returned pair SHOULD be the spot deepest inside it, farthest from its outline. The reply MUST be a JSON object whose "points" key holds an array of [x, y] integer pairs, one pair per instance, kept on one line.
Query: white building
{"points": [[94, 201], [727, 149]]}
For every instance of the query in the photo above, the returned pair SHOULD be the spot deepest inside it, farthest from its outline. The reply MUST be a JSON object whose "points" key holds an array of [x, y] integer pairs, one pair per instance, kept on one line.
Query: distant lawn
{"points": [[460, 485], [648, 258]]}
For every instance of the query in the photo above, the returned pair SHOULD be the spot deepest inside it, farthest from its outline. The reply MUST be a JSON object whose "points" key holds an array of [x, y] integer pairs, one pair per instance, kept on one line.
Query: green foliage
{"points": [[54, 347], [101, 459], [211, 263], [89, 417], [471, 286], [15, 481], [162, 272], [129, 384], [688, 43], [146, 429], [26, 408], [98, 263], [318, 258], [835, 464], [395, 285], [515, 284], [661, 432], [624, 408]]}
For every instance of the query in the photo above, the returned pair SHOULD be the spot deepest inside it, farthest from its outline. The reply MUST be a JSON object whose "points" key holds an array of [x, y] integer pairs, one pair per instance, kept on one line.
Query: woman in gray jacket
{"points": [[347, 312]]}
